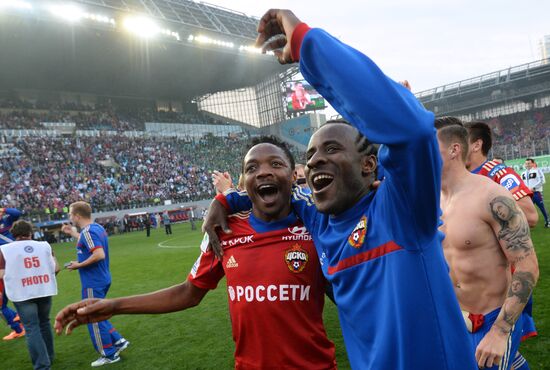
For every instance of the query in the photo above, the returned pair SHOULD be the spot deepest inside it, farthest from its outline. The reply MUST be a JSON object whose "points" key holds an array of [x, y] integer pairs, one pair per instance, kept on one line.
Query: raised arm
{"points": [[384, 111], [12, 213], [512, 230]]}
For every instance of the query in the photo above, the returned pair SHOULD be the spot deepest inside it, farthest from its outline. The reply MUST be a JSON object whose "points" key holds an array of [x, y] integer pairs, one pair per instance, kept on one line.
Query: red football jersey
{"points": [[276, 294], [507, 177]]}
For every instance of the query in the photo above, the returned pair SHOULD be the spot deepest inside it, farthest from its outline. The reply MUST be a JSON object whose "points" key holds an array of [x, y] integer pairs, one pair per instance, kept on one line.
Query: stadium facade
{"points": [[514, 101]]}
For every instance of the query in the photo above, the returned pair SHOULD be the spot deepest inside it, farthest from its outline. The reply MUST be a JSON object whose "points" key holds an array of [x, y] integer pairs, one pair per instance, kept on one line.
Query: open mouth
{"points": [[321, 181], [268, 192]]}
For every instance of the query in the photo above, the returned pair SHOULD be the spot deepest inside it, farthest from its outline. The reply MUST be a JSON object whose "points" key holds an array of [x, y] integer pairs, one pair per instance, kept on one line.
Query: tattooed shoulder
{"points": [[514, 229]]}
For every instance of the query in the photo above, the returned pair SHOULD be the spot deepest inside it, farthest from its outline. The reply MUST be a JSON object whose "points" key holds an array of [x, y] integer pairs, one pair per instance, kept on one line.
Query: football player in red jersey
{"points": [[273, 276], [480, 142]]}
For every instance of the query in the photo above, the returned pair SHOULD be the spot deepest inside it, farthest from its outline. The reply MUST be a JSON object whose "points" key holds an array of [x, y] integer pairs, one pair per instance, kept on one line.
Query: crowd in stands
{"points": [[92, 120], [524, 134], [17, 114], [47, 174]]}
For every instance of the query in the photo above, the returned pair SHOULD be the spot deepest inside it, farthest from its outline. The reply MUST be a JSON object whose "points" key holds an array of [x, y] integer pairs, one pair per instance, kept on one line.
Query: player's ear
{"points": [[454, 150], [476, 145], [368, 164]]}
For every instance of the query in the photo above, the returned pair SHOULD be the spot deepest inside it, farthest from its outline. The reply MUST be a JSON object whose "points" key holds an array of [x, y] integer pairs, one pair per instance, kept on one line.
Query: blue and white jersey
{"points": [[96, 275]]}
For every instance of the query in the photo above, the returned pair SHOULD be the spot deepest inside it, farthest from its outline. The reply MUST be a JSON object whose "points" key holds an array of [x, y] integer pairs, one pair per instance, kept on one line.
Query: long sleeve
{"points": [[386, 113]]}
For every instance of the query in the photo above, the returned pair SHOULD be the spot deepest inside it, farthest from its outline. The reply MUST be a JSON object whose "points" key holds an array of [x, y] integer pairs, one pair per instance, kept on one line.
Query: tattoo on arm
{"points": [[514, 230], [522, 285]]}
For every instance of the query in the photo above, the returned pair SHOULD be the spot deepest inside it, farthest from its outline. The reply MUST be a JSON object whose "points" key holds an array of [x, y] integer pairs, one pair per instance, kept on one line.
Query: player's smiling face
{"points": [[268, 179], [335, 169]]}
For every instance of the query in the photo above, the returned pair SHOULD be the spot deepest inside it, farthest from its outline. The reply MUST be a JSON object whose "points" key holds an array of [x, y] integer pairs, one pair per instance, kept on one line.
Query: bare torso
{"points": [[479, 269]]}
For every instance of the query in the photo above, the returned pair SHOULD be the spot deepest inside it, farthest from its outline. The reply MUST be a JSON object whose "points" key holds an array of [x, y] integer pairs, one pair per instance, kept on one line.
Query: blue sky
{"points": [[428, 42]]}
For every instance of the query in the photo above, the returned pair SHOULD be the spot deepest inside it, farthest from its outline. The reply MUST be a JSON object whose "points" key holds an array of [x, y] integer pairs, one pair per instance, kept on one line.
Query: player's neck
{"points": [[272, 216], [453, 178], [85, 223], [476, 161]]}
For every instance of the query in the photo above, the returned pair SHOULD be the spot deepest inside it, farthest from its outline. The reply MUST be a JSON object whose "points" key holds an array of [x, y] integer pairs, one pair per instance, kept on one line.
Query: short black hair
{"points": [[530, 160], [270, 139], [480, 130], [446, 121], [364, 145], [21, 228], [455, 133]]}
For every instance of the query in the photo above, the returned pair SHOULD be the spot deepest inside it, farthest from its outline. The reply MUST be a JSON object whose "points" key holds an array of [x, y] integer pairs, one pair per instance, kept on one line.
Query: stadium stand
{"points": [[111, 172], [21, 114], [522, 134], [514, 101], [43, 174]]}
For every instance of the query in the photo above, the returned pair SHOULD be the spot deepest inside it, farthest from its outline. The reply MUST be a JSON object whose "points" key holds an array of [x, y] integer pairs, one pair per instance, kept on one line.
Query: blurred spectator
{"points": [[167, 223]]}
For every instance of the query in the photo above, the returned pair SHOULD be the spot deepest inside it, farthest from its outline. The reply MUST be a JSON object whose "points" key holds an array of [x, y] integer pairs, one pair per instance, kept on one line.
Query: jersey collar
{"points": [[476, 171], [358, 209], [264, 227]]}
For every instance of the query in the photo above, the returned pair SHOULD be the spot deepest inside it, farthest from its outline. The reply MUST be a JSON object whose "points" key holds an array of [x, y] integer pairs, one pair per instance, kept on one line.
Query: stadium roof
{"points": [[189, 13], [198, 49]]}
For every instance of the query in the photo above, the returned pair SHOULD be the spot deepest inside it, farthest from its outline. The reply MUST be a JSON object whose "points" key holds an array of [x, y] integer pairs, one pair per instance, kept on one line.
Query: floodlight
{"points": [[16, 4], [68, 12], [141, 26], [209, 41], [250, 49]]}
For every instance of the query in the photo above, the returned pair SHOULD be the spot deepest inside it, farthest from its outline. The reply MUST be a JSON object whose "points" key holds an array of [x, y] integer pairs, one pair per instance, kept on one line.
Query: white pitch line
{"points": [[168, 246]]}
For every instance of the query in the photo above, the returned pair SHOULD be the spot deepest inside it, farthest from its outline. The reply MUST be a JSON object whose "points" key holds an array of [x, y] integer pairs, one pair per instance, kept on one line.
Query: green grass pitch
{"points": [[200, 338]]}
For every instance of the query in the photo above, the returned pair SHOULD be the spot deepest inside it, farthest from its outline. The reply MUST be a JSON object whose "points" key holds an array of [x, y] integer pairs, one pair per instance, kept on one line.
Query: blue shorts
{"points": [[513, 340]]}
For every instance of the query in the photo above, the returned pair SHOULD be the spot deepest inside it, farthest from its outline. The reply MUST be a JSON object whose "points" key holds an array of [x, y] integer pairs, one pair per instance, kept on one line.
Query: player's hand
{"points": [[67, 229], [73, 265], [221, 181], [406, 84], [275, 33], [216, 217], [491, 349], [83, 312], [375, 185]]}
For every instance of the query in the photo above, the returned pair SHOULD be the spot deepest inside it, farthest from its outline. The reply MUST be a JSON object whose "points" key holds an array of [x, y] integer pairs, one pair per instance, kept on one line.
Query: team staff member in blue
{"points": [[7, 218], [380, 251], [93, 265]]}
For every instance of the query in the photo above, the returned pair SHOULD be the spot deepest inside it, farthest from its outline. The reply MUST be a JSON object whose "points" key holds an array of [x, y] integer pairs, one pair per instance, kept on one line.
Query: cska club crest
{"points": [[296, 258], [358, 234]]}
